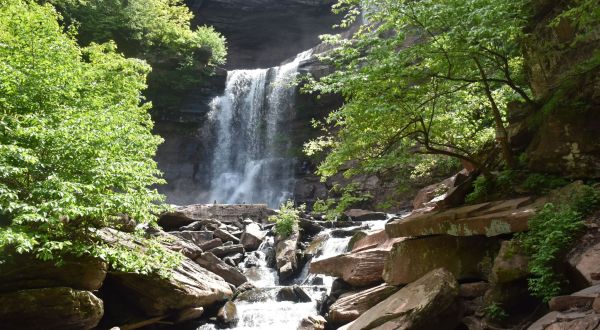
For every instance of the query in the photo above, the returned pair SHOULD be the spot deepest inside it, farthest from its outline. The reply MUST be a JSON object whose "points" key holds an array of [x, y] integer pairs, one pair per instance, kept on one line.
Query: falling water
{"points": [[252, 161]]}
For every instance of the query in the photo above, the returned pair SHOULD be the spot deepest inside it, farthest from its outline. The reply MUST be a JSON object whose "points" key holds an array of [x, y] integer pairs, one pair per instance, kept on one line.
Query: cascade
{"points": [[251, 159]]}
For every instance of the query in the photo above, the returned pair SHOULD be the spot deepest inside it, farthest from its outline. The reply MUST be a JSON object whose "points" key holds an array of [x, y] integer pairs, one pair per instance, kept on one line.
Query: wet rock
{"points": [[370, 241], [189, 286], [314, 248], [50, 308], [466, 258], [243, 288], [358, 269], [340, 224], [340, 233], [285, 254], [313, 323], [227, 314], [252, 237], [234, 260], [359, 235], [189, 314], [226, 236], [489, 219], [310, 227], [364, 215], [428, 303], [317, 280], [292, 293], [230, 274], [28, 272], [223, 251], [349, 307], [212, 244]]}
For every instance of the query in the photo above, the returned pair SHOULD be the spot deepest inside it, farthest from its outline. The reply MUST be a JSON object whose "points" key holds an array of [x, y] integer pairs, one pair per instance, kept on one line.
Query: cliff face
{"points": [[263, 33]]}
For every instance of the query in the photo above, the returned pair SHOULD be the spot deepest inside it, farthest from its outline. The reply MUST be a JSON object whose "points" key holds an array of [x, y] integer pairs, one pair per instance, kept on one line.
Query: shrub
{"points": [[286, 221]]}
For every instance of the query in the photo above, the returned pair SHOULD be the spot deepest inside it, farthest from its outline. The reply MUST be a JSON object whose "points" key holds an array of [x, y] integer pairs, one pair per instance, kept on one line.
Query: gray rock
{"points": [[230, 274], [228, 314], [223, 251], [225, 236], [252, 237], [364, 215], [213, 243]]}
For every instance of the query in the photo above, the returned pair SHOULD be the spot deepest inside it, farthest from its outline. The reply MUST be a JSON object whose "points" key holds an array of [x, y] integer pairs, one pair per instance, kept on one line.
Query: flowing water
{"points": [[252, 160]]}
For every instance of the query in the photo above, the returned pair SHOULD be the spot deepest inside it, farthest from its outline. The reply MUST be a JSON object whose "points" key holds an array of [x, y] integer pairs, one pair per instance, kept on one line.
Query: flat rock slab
{"points": [[227, 213], [50, 308], [489, 219], [358, 269], [429, 303], [364, 215], [230, 274], [467, 258], [350, 306]]}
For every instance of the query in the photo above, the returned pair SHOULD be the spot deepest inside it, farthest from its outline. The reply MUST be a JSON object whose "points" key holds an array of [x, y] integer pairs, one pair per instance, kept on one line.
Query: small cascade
{"points": [[251, 160]]}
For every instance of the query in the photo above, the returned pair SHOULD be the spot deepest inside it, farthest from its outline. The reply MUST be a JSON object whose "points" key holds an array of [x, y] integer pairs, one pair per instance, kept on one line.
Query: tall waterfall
{"points": [[252, 161]]}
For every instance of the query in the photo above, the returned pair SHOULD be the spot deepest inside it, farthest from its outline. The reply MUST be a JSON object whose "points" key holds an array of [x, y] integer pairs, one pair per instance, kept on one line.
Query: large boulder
{"points": [[445, 193], [350, 306], [230, 274], [189, 285], [252, 237], [312, 323], [225, 250], [429, 303], [27, 272], [50, 308], [286, 259], [358, 269], [465, 257], [489, 219], [185, 246], [197, 237], [186, 215]]}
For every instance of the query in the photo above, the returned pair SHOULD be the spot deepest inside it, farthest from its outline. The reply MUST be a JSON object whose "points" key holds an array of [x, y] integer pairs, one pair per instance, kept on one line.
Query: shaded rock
{"points": [[189, 286], [209, 245], [310, 227], [371, 240], [364, 215], [473, 290], [430, 192], [313, 323], [358, 269], [340, 233], [230, 274], [189, 314], [292, 293], [243, 288], [229, 213], [224, 250], [285, 255], [228, 314], [489, 219], [466, 258], [28, 272], [358, 236], [226, 236], [50, 308], [428, 303], [596, 304], [252, 237], [234, 260], [314, 247], [340, 224], [585, 263], [349, 307], [567, 321], [201, 225]]}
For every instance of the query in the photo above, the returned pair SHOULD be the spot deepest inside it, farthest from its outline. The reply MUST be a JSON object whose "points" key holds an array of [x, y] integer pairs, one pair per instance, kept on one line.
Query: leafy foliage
{"points": [[551, 233], [157, 31], [422, 78], [333, 208], [75, 141], [286, 221]]}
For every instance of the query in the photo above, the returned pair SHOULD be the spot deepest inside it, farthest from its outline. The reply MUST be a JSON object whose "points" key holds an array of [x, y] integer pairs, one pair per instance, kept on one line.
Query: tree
{"points": [[157, 31], [426, 77], [75, 140]]}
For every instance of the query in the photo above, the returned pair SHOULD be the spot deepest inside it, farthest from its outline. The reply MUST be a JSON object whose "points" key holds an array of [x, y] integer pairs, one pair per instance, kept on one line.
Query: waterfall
{"points": [[251, 159]]}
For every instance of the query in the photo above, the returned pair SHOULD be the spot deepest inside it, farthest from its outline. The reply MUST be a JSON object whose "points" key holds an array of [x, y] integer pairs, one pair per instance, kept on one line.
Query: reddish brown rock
{"points": [[371, 240], [358, 269], [567, 321], [465, 257], [431, 302], [489, 219], [563, 303], [285, 255], [596, 304], [586, 263], [349, 307]]}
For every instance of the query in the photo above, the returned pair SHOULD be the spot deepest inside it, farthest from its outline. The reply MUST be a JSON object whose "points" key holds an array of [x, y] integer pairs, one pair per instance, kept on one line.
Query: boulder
{"points": [[292, 293], [50, 308], [473, 290], [285, 255], [467, 258], [197, 237], [345, 232], [189, 285], [310, 227], [430, 192], [189, 314], [228, 314], [213, 243], [358, 236], [27, 272], [563, 303], [567, 321], [230, 274], [313, 323], [584, 262], [364, 215], [177, 243], [431, 302], [358, 269], [369, 240], [226, 236], [252, 237], [225, 250], [489, 219], [349, 307], [229, 213]]}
